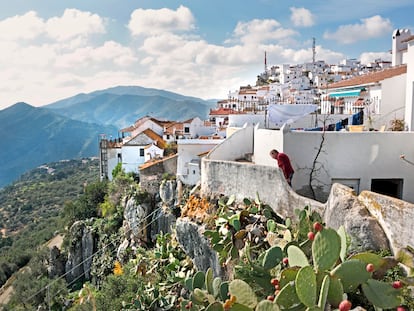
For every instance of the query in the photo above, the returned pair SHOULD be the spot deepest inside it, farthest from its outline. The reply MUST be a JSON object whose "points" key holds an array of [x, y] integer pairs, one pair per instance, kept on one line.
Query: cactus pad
{"points": [[326, 249], [266, 305], [381, 294], [287, 297], [272, 257], [352, 273], [243, 293], [306, 286], [297, 257]]}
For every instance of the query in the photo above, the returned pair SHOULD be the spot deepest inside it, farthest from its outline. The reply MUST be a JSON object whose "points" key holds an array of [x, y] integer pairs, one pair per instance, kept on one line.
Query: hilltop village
{"points": [[347, 123]]}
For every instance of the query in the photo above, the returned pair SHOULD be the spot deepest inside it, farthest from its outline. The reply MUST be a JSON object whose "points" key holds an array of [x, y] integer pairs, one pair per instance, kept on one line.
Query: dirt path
{"points": [[7, 289]]}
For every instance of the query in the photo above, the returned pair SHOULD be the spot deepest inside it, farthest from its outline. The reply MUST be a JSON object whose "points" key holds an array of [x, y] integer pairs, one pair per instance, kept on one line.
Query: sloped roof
{"points": [[223, 111], [156, 161], [373, 77], [141, 121], [146, 137], [177, 126], [154, 136]]}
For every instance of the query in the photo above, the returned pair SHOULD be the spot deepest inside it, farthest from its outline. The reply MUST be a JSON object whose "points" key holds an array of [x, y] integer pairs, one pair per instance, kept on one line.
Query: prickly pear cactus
{"points": [[266, 305], [335, 291], [198, 280], [243, 293], [272, 257], [326, 249], [306, 287], [288, 298], [352, 273], [297, 257], [381, 294]]}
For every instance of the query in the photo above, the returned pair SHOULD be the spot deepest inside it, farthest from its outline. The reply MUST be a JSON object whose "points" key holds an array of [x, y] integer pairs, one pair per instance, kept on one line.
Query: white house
{"points": [[379, 161], [380, 94], [188, 129], [141, 148], [142, 124], [190, 152]]}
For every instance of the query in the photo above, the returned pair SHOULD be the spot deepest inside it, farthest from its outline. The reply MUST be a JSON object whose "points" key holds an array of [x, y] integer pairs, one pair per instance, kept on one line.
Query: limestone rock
{"points": [[81, 249], [344, 208], [196, 246], [394, 216], [56, 264], [168, 192], [135, 220]]}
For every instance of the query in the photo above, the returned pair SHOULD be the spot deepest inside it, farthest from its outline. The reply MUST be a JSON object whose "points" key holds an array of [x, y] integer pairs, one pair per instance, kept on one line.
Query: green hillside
{"points": [[30, 208], [32, 136]]}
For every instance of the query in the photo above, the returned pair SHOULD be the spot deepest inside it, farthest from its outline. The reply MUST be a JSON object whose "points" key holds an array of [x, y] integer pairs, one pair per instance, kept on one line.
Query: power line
{"points": [[86, 259]]}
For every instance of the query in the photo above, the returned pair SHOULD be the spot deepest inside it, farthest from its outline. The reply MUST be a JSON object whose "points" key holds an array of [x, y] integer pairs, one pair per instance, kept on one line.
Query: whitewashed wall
{"points": [[409, 104], [234, 147], [189, 150], [112, 160], [393, 99], [345, 155], [131, 158]]}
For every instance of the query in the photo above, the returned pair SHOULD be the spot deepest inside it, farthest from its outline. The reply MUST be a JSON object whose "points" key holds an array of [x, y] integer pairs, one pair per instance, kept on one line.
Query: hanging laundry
{"points": [[288, 113]]}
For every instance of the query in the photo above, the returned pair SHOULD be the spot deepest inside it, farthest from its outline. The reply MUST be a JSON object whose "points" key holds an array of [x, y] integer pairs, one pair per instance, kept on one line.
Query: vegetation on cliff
{"points": [[30, 208], [267, 263]]}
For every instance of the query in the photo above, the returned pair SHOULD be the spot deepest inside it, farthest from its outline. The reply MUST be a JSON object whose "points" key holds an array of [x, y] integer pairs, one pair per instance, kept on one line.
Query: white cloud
{"points": [[44, 60], [369, 28], [110, 54], [74, 23], [149, 22], [27, 26], [301, 17], [259, 31], [369, 57]]}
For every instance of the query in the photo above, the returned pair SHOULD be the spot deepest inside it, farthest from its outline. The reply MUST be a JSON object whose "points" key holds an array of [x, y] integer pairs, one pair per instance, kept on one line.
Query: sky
{"points": [[54, 49]]}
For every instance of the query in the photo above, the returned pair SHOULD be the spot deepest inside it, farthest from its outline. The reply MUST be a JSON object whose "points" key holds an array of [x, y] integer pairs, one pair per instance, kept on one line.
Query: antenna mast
{"points": [[313, 51]]}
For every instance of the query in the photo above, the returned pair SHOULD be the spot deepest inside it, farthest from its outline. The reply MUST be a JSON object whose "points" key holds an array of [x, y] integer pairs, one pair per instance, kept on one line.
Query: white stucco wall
{"points": [[131, 158], [189, 150], [345, 155], [393, 100], [197, 128], [112, 160], [152, 152], [409, 103], [234, 147]]}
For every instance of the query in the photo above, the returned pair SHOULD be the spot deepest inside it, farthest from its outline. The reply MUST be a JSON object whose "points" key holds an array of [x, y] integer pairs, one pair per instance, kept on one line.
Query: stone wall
{"points": [[151, 174], [245, 180], [374, 221]]}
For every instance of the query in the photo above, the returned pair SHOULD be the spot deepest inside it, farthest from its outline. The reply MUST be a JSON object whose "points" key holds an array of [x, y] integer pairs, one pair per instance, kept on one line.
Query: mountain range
{"points": [[70, 128]]}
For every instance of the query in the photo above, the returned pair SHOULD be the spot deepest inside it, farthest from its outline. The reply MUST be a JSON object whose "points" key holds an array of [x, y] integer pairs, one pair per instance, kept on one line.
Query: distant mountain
{"points": [[33, 136], [123, 105], [70, 128]]}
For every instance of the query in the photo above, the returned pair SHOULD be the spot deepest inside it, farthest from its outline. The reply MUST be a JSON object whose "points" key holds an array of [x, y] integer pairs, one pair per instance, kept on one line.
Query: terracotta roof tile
{"points": [[154, 136], [224, 111], [370, 77]]}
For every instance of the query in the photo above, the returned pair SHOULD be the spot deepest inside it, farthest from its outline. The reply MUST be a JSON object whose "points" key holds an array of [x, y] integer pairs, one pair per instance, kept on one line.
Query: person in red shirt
{"points": [[283, 162]]}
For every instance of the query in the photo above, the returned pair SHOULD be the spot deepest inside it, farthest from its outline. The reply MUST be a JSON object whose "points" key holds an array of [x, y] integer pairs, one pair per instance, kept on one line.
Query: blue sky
{"points": [[54, 49]]}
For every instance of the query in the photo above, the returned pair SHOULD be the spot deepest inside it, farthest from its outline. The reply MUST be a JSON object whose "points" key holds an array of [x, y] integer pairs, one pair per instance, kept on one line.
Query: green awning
{"points": [[349, 93]]}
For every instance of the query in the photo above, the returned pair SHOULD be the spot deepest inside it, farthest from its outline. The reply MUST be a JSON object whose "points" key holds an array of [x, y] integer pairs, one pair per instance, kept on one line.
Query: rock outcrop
{"points": [[80, 251]]}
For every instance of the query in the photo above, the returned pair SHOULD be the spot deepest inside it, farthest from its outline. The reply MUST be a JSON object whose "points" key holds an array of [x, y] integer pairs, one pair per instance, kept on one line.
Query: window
{"points": [[186, 129], [141, 152], [391, 187], [349, 182]]}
